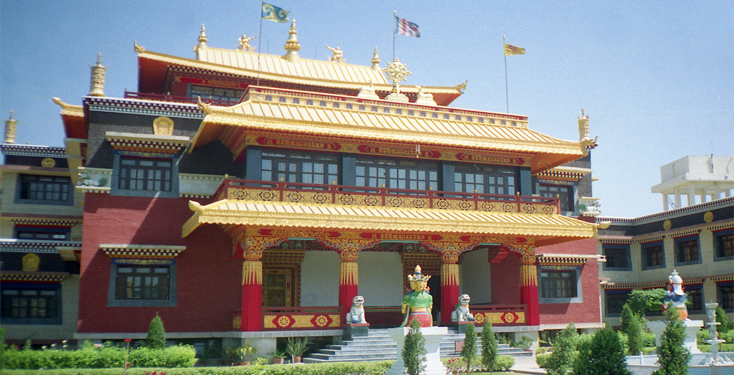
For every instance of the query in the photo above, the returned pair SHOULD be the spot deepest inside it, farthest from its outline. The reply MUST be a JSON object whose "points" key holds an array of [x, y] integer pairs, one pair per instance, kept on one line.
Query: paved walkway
{"points": [[526, 365]]}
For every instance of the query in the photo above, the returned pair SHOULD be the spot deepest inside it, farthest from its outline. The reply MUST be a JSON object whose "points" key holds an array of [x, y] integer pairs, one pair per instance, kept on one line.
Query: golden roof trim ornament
{"points": [[138, 48], [396, 72], [461, 86], [69, 109], [587, 144], [10, 128], [244, 43], [375, 60], [291, 45], [96, 86], [338, 56]]}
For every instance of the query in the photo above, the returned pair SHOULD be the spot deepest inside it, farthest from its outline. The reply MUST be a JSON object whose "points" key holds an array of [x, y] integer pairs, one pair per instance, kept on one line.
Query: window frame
{"points": [[718, 237], [576, 272], [53, 231], [626, 255], [115, 188], [567, 199], [21, 187], [493, 177], [726, 303], [55, 320], [695, 292], [396, 173], [644, 248], [615, 293], [117, 263], [304, 165], [678, 248]]}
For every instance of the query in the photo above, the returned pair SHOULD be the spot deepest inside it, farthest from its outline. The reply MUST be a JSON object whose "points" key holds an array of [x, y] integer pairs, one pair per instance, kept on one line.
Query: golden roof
{"points": [[266, 109], [545, 229]]}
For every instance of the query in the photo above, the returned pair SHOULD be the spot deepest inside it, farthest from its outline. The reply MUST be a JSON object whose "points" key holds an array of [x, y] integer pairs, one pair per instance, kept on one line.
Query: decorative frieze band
{"points": [[723, 226], [560, 259], [141, 251], [39, 277], [616, 240]]}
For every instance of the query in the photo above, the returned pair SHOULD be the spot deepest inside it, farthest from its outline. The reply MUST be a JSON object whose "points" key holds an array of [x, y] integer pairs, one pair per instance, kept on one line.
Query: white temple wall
{"points": [[474, 278], [380, 278], [320, 278]]}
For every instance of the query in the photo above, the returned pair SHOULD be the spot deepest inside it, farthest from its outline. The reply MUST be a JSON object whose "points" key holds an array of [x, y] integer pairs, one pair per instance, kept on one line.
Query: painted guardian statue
{"points": [[676, 296], [461, 311], [418, 303], [356, 313]]}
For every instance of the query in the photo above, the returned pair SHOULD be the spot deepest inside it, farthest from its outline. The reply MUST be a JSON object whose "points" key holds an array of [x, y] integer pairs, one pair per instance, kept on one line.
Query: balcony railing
{"points": [[178, 99], [249, 190]]}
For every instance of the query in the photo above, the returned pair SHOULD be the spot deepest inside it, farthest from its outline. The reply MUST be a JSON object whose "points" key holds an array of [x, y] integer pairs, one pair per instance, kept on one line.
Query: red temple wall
{"points": [[208, 279], [587, 311]]}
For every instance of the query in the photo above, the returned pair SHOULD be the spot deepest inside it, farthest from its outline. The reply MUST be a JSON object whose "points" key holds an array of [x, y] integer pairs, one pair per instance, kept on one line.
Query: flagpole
{"points": [[259, 43], [507, 96], [394, 14]]}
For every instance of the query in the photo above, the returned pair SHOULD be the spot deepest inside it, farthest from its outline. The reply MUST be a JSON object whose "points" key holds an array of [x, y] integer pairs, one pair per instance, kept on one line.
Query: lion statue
{"points": [[461, 312], [356, 313]]}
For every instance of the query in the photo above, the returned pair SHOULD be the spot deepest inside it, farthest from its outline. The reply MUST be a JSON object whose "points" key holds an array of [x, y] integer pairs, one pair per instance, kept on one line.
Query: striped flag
{"points": [[405, 27], [273, 13], [512, 50]]}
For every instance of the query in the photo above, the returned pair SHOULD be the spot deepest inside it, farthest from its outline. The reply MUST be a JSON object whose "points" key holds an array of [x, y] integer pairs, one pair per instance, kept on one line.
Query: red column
{"points": [[449, 287], [529, 286], [348, 279], [252, 291]]}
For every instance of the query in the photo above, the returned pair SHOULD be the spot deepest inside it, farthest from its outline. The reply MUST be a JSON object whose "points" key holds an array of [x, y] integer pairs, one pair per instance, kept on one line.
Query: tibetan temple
{"points": [[247, 197]]}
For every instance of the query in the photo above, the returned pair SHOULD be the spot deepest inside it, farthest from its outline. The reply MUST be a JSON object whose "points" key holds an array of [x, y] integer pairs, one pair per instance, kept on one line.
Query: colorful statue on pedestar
{"points": [[676, 296], [418, 303], [356, 313], [461, 311]]}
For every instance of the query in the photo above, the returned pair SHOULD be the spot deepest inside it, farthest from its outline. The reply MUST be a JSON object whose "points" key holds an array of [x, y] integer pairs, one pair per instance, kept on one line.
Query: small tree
{"points": [[627, 317], [603, 355], [634, 336], [156, 338], [469, 350], [489, 346], [723, 327], [672, 355], [414, 349], [561, 360]]}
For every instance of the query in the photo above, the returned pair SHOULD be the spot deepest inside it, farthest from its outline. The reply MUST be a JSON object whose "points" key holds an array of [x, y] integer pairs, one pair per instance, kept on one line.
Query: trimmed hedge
{"points": [[106, 356], [341, 368]]}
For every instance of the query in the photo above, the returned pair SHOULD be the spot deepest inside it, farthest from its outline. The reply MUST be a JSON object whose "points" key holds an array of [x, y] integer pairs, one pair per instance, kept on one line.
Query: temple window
{"points": [[469, 118], [557, 285], [35, 189], [423, 114], [374, 109], [145, 174], [410, 113], [503, 122], [142, 283], [457, 117], [725, 295], [349, 106], [137, 283], [687, 251], [615, 300], [42, 233], [653, 255], [386, 110], [335, 105], [282, 99], [485, 179], [724, 245], [446, 116], [396, 174], [398, 111], [296, 101], [362, 108], [618, 257], [268, 98], [322, 103], [31, 304], [309, 102], [434, 115], [481, 120], [695, 295], [491, 121], [564, 193], [292, 166]]}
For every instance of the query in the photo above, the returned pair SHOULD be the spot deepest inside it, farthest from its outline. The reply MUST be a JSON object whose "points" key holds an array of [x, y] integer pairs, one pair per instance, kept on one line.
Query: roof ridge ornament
{"points": [[244, 43], [291, 45], [138, 48], [201, 40], [396, 72], [587, 144], [368, 92], [10, 128], [375, 60], [96, 86], [338, 55]]}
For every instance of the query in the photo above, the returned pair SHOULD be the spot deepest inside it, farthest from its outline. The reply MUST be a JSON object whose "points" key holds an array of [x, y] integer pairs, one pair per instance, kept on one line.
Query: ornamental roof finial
{"points": [[201, 39], [291, 45], [10, 127], [375, 60], [96, 86]]}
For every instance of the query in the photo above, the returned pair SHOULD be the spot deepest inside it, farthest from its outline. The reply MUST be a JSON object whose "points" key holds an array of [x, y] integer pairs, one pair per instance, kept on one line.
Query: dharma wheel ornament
{"points": [[396, 72]]}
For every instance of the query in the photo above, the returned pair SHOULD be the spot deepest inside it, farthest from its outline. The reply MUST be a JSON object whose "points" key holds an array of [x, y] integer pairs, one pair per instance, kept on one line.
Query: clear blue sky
{"points": [[655, 77]]}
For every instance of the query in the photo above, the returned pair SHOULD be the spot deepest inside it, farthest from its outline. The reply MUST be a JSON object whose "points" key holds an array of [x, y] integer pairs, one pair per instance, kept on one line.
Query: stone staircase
{"points": [[378, 346]]}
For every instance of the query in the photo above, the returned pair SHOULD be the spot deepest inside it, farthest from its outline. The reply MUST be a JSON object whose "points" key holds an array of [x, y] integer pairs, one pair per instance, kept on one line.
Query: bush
{"points": [[634, 336], [542, 359], [603, 355], [672, 355], [156, 338], [489, 346], [469, 350], [503, 362], [100, 356], [563, 355], [414, 349]]}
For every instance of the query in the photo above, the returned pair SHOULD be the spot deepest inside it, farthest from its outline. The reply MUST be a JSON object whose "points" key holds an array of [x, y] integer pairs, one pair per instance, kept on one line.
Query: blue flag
{"points": [[273, 13]]}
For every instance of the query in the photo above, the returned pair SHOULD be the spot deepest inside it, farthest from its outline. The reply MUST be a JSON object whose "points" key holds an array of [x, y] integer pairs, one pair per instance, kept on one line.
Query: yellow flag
{"points": [[512, 50]]}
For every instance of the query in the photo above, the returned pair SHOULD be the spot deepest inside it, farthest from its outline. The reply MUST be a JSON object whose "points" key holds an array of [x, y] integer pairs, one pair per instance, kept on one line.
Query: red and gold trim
{"points": [[141, 251]]}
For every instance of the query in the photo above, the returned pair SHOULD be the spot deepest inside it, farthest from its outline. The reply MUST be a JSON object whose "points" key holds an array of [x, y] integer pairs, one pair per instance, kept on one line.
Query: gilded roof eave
{"points": [[546, 229], [281, 117], [380, 84]]}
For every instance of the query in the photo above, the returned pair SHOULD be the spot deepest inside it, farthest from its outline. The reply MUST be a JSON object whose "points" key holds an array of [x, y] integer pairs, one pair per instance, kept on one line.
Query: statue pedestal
{"points": [[433, 336], [356, 330], [692, 326]]}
